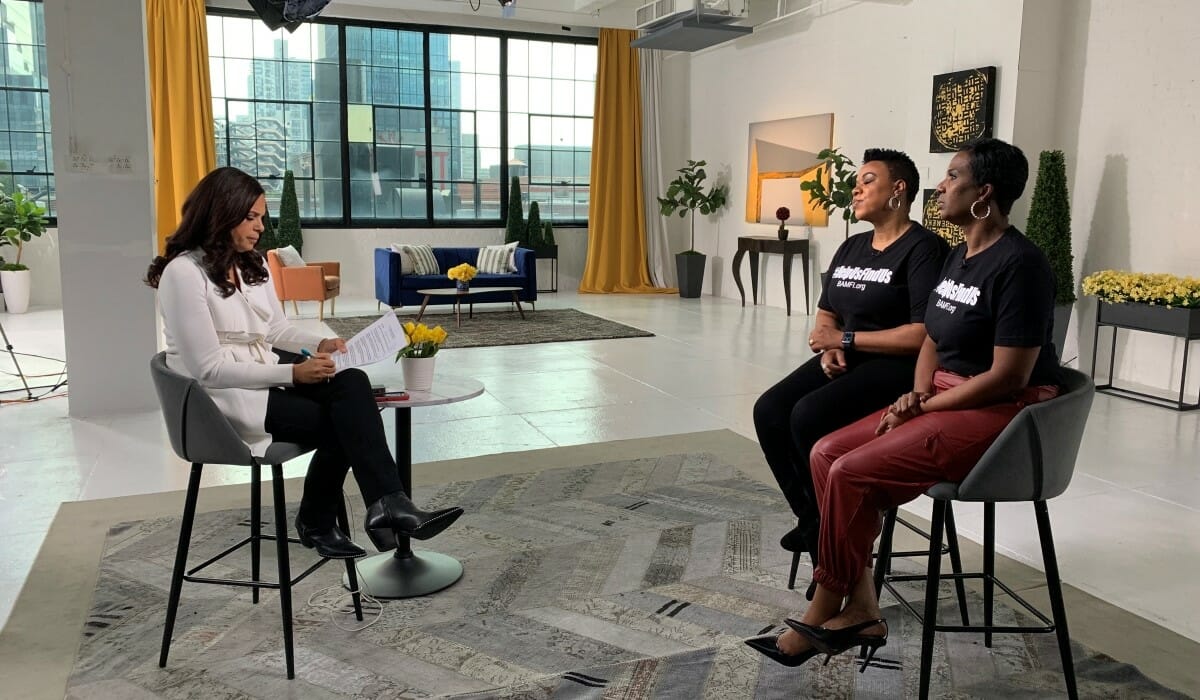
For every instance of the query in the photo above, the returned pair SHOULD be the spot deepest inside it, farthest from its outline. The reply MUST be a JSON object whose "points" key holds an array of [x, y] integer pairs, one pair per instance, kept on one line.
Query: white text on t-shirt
{"points": [[951, 291]]}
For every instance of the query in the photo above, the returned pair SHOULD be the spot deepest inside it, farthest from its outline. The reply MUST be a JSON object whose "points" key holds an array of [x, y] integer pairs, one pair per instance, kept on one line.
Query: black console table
{"points": [[1175, 322], [771, 244], [550, 253]]}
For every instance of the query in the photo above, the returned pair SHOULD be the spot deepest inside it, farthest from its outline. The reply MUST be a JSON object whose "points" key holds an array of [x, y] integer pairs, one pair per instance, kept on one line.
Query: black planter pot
{"points": [[690, 269], [1062, 317]]}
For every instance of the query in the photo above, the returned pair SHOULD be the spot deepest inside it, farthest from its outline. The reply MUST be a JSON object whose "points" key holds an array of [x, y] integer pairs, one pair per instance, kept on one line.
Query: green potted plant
{"points": [[268, 240], [533, 229], [1049, 228], [21, 220], [288, 232], [515, 230], [842, 179], [686, 194]]}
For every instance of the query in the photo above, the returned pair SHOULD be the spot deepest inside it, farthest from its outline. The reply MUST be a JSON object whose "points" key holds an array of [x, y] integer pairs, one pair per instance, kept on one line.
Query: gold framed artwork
{"points": [[932, 219], [963, 107], [781, 153]]}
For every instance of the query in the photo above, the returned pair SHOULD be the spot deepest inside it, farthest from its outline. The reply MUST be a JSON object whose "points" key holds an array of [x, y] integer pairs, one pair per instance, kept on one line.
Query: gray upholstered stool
{"points": [[201, 434], [1033, 459]]}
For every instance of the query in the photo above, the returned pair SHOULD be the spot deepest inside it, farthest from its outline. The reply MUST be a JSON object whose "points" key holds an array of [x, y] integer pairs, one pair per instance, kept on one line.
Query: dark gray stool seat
{"points": [[1032, 460], [201, 434]]}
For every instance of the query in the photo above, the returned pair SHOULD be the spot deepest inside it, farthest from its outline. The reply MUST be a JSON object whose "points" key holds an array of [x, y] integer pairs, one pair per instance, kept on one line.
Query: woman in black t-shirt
{"points": [[987, 355], [866, 336]]}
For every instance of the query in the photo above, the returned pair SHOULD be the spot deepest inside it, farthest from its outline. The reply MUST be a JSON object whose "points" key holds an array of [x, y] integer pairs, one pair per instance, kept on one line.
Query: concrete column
{"points": [[100, 118]]}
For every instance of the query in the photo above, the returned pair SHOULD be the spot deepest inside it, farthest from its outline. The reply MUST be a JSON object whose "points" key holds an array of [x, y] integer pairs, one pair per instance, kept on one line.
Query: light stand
{"points": [[8, 346]]}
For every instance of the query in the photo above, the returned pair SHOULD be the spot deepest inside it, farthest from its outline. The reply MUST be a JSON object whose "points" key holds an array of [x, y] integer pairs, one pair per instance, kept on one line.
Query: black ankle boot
{"points": [[331, 544], [394, 515]]}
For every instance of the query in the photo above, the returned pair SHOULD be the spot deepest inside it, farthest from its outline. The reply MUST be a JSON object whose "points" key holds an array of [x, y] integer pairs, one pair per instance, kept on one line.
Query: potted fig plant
{"points": [[686, 194], [842, 179], [21, 220]]}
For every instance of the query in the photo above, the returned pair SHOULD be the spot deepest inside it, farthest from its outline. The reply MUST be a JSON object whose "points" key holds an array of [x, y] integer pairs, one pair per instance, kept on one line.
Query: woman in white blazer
{"points": [[225, 327]]}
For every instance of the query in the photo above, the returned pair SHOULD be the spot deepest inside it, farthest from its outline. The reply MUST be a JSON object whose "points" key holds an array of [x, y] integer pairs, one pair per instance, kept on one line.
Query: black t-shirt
{"points": [[1001, 296], [874, 290]]}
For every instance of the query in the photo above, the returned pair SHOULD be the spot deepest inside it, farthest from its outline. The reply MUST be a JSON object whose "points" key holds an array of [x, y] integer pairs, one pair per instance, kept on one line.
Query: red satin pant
{"points": [[858, 475]]}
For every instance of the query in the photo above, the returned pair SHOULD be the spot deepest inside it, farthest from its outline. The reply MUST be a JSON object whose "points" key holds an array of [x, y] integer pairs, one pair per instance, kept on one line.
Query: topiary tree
{"points": [[533, 231], [548, 234], [288, 233], [268, 240], [1049, 224], [515, 230]]}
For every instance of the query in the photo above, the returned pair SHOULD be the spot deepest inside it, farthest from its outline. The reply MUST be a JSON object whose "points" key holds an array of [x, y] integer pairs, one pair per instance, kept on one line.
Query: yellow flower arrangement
{"points": [[1115, 286], [462, 273], [423, 341]]}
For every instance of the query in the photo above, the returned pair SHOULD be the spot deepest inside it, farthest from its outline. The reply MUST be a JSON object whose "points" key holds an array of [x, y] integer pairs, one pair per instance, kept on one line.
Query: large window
{"points": [[277, 107], [26, 158], [551, 88], [391, 125]]}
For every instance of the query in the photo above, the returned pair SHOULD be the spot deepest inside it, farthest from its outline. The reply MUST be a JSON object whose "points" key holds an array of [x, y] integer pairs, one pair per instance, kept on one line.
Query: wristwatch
{"points": [[848, 340]]}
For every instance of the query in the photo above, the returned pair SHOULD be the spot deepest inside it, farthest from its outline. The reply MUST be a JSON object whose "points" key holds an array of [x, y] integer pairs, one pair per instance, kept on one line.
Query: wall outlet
{"points": [[120, 164], [81, 163]]}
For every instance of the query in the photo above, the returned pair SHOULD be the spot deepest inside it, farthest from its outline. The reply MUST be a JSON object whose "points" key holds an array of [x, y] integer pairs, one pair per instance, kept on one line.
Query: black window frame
{"points": [[428, 222], [46, 133]]}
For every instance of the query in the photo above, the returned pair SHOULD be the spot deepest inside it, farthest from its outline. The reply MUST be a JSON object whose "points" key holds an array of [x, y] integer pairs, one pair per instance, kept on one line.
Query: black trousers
{"points": [[340, 417], [805, 406]]}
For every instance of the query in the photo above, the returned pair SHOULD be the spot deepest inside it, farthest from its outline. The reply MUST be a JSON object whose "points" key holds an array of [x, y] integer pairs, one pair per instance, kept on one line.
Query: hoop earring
{"points": [[986, 214], [894, 202]]}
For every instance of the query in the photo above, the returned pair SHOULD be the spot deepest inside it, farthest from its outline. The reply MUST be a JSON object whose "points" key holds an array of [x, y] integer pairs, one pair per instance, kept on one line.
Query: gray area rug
{"points": [[629, 579], [507, 327]]}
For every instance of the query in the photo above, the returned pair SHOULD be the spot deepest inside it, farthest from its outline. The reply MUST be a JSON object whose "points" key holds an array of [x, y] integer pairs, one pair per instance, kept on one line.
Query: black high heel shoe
{"points": [[834, 642], [768, 646], [331, 544], [394, 516]]}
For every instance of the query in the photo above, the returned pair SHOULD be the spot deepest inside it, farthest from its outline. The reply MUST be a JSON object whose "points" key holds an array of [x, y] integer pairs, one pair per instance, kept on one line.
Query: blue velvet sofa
{"points": [[395, 289]]}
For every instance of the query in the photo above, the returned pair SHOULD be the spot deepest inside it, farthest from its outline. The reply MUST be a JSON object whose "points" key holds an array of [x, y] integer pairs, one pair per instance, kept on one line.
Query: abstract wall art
{"points": [[931, 219], [963, 108], [782, 152]]}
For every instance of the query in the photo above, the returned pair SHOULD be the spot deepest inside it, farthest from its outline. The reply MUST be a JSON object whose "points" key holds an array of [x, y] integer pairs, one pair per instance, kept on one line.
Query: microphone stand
{"points": [[8, 346]]}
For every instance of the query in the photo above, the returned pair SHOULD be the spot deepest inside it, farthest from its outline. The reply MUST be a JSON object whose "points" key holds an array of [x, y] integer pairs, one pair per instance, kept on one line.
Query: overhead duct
{"points": [[689, 25]]}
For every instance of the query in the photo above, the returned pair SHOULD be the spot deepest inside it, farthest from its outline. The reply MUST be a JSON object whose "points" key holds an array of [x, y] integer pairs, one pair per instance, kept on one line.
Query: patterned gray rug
{"points": [[632, 579], [507, 327]]}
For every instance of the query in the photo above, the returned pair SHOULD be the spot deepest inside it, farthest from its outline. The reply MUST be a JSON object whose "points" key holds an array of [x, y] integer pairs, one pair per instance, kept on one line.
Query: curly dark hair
{"points": [[1001, 165], [900, 167], [217, 205]]}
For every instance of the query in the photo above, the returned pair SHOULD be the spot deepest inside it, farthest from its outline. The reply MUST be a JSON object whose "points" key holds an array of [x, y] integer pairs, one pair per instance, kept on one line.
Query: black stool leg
{"points": [[351, 570], [792, 573], [255, 526], [989, 568], [181, 552], [932, 580], [956, 562], [1054, 587], [883, 560], [285, 573]]}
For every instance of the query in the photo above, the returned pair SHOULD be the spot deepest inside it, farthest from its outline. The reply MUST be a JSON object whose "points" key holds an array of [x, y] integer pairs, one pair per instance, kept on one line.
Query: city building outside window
{"points": [[26, 156]]}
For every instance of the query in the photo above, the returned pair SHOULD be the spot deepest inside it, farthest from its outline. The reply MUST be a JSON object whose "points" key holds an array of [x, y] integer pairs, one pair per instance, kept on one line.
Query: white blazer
{"points": [[225, 343]]}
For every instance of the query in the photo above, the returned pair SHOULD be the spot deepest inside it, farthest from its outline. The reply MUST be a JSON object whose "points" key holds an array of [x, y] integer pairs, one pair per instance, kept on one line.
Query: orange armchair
{"points": [[316, 281]]}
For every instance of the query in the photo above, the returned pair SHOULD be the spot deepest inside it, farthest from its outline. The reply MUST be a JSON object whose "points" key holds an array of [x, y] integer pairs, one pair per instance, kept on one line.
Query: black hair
{"points": [[1001, 165], [215, 206], [900, 167]]}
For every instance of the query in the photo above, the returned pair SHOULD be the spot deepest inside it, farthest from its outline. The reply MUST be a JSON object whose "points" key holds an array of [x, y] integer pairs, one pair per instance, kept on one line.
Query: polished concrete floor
{"points": [[1125, 530]]}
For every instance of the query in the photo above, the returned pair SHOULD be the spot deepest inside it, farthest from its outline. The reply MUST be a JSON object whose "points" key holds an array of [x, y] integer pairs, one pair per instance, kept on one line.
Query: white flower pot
{"points": [[16, 289], [418, 373]]}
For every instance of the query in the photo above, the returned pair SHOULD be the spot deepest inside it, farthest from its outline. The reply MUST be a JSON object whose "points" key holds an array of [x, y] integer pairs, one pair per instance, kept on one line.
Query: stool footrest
{"points": [[1047, 624], [190, 575]]}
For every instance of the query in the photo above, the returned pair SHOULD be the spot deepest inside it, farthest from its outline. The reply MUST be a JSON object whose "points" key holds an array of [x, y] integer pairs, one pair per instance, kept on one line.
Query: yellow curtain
{"points": [[180, 104], [616, 258]]}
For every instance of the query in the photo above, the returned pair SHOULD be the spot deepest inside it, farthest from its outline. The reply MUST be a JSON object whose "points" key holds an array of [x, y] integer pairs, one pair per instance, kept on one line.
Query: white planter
{"points": [[16, 289], [418, 373]]}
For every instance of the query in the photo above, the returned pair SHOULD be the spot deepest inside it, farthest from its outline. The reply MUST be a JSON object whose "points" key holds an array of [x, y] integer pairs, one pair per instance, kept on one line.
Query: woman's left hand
{"points": [[332, 345]]}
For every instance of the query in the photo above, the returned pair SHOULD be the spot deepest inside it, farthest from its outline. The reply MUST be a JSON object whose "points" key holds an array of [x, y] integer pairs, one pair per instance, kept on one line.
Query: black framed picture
{"points": [[963, 107], [932, 219]]}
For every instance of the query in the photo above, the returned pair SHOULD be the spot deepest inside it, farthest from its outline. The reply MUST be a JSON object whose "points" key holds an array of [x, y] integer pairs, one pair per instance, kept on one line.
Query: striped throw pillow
{"points": [[422, 259], [406, 266], [498, 259]]}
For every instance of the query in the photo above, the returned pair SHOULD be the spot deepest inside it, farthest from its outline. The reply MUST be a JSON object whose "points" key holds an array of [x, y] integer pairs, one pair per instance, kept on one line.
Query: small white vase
{"points": [[418, 373], [16, 285]]}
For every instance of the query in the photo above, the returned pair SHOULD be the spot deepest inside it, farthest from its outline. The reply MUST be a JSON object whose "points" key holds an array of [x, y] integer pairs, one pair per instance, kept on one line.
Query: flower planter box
{"points": [[1184, 323], [1173, 321]]}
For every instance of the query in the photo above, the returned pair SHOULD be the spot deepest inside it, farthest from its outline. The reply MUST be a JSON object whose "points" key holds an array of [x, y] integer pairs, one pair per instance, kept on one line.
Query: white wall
{"points": [[871, 64], [41, 255], [1130, 123]]}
